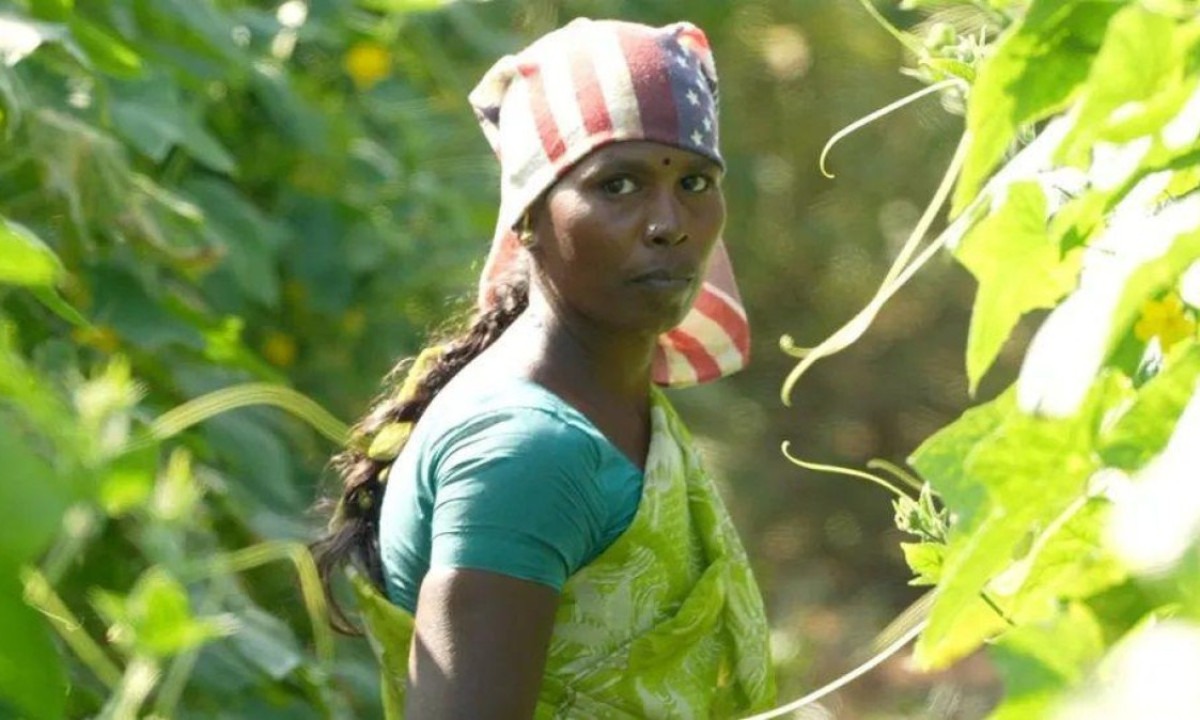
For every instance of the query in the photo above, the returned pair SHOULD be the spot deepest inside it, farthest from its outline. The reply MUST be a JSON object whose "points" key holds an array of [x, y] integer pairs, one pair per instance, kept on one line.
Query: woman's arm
{"points": [[479, 650]]}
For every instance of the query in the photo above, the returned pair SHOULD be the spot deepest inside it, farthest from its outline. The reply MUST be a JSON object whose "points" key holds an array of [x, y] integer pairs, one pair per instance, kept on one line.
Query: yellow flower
{"points": [[367, 63], [1165, 319], [279, 349]]}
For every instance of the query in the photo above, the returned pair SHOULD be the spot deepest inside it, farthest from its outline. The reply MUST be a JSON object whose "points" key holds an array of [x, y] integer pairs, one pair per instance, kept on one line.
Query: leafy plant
{"points": [[197, 200], [1071, 499]]}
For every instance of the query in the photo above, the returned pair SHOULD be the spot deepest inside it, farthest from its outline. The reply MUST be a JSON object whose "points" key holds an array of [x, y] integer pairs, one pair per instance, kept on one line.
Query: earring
{"points": [[525, 231]]}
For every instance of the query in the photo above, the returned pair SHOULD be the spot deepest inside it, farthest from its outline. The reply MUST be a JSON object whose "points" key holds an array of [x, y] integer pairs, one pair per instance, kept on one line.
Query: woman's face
{"points": [[624, 237]]}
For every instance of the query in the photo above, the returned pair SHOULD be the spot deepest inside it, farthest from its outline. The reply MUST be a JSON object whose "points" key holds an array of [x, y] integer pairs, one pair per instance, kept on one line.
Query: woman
{"points": [[528, 502]]}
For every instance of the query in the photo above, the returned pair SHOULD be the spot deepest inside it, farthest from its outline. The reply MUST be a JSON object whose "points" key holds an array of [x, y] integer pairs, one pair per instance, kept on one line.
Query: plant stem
{"points": [[839, 470], [40, 595], [897, 276]]}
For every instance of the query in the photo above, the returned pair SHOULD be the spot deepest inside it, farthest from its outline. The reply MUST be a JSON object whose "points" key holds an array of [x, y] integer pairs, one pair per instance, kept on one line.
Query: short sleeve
{"points": [[517, 493]]}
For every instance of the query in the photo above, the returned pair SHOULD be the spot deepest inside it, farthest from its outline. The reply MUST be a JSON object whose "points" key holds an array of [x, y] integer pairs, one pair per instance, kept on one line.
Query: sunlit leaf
{"points": [[1142, 432], [24, 259], [108, 51], [925, 560], [1047, 56], [1030, 469], [156, 617], [1018, 269], [56, 10], [128, 481], [1140, 55], [1040, 661], [941, 459]]}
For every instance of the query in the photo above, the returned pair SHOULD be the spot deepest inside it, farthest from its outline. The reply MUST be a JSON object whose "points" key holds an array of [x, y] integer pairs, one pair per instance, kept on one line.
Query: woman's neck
{"points": [[574, 354]]}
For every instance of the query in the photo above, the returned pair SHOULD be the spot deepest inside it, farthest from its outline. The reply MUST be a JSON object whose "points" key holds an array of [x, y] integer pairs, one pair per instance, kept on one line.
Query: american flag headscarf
{"points": [[588, 84]]}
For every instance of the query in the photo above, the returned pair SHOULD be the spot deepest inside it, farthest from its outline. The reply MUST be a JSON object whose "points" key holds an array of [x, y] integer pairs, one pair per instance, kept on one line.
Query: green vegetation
{"points": [[202, 201], [215, 210], [1065, 533]]}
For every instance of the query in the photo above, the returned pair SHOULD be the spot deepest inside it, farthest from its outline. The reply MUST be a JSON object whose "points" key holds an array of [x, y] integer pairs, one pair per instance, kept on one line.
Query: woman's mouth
{"points": [[664, 280]]}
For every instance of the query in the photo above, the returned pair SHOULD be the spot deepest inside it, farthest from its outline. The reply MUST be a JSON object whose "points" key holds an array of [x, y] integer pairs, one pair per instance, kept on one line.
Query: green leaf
{"points": [[33, 497], [1140, 55], [202, 19], [402, 6], [55, 10], [249, 238], [25, 259], [259, 463], [151, 116], [109, 52], [941, 459], [1143, 431], [1018, 268], [122, 302], [1034, 72], [926, 560], [1040, 661], [128, 481], [1031, 470], [156, 617], [267, 642], [1067, 559], [31, 673]]}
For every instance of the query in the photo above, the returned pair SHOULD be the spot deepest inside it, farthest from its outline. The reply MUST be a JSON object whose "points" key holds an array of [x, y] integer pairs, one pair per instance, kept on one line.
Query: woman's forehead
{"points": [[644, 152]]}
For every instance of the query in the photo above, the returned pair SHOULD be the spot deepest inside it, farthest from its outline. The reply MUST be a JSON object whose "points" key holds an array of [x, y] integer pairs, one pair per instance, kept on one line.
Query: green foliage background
{"points": [[198, 195]]}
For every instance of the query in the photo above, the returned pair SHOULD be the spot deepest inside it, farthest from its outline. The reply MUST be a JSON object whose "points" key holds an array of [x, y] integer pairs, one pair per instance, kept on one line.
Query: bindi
{"points": [[666, 161]]}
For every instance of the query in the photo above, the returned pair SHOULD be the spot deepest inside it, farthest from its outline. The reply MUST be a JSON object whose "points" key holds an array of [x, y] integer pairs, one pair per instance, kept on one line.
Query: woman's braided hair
{"points": [[353, 534]]}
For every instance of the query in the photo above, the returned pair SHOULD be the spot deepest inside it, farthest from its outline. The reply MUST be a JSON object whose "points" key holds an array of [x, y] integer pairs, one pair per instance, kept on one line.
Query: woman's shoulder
{"points": [[478, 407]]}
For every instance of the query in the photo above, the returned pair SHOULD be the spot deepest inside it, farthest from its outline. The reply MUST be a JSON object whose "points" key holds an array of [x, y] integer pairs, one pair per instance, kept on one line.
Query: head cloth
{"points": [[588, 84]]}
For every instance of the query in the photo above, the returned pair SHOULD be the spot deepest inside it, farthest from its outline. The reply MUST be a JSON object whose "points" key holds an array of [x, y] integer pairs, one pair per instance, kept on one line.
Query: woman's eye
{"points": [[619, 186], [697, 183]]}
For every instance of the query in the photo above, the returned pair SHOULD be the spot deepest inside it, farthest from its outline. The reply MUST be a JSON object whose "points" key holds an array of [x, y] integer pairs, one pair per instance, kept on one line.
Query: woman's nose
{"points": [[664, 224]]}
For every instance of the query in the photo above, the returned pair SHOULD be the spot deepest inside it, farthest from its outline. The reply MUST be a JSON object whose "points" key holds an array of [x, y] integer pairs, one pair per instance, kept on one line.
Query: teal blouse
{"points": [[500, 474]]}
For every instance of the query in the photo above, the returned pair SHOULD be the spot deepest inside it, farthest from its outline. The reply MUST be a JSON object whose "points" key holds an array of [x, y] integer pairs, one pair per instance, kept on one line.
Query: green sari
{"points": [[666, 623]]}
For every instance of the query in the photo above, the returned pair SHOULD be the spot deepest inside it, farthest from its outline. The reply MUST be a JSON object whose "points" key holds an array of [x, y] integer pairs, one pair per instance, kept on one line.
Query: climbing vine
{"points": [[1058, 522]]}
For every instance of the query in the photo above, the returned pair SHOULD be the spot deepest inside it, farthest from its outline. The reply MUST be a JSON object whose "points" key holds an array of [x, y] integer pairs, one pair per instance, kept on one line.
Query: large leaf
{"points": [[1031, 470], [109, 52], [25, 259], [32, 497], [151, 116], [941, 459], [1034, 72], [259, 462], [123, 302], [31, 672], [1141, 54], [1018, 269], [249, 239], [1040, 661], [156, 617], [1143, 431], [267, 642]]}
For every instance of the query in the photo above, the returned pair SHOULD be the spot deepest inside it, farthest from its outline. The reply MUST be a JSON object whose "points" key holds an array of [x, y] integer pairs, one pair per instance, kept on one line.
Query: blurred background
{"points": [[296, 192]]}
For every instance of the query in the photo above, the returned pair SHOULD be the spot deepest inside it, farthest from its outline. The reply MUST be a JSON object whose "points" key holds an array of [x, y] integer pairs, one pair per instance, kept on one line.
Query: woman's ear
{"points": [[532, 226]]}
